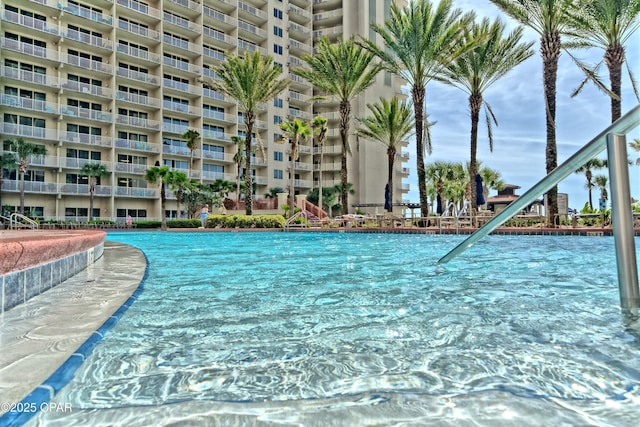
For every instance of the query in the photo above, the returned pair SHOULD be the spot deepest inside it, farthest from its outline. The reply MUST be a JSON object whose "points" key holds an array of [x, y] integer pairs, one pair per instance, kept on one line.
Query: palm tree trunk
{"points": [[238, 186], [475, 103], [292, 182], [391, 157], [320, 184], [179, 200], [550, 49], [418, 94], [345, 116], [21, 192], [590, 187], [614, 58], [248, 191], [163, 203], [92, 187]]}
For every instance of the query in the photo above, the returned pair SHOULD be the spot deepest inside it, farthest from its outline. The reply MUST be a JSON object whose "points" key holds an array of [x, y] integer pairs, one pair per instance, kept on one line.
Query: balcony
{"points": [[212, 94], [31, 132], [329, 18], [137, 122], [299, 82], [217, 136], [139, 192], [184, 109], [139, 55], [299, 15], [90, 14], [180, 151], [299, 32], [245, 46], [195, 91], [181, 23], [220, 20], [130, 168], [247, 11], [297, 97], [137, 76], [301, 3], [29, 49], [299, 48], [181, 65], [85, 113], [137, 99], [29, 22], [144, 146], [186, 7], [29, 104], [332, 32], [100, 190], [87, 89], [141, 10], [218, 116], [13, 186], [171, 128], [250, 31], [139, 30], [185, 47], [87, 139], [76, 163], [28, 77], [300, 114], [88, 39], [86, 64], [218, 37]]}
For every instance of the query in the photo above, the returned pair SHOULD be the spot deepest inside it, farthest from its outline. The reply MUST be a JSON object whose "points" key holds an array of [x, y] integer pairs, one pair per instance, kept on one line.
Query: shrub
{"points": [[245, 221], [184, 223], [147, 224]]}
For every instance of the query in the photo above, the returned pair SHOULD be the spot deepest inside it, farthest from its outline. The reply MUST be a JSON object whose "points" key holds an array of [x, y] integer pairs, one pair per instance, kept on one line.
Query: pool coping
{"points": [[101, 293]]}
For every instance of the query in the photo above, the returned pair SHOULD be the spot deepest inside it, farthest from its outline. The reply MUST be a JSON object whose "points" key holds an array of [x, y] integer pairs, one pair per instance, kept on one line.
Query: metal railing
{"points": [[17, 220], [613, 139]]}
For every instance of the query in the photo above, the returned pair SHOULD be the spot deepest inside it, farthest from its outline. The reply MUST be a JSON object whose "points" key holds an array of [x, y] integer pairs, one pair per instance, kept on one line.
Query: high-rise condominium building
{"points": [[118, 82]]}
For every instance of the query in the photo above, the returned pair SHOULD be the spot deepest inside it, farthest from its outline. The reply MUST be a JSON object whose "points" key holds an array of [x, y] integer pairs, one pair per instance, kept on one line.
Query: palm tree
{"points": [[319, 126], [23, 150], [9, 162], [251, 80], [391, 123], [419, 43], [339, 190], [607, 25], [439, 173], [635, 145], [476, 70], [587, 169], [94, 171], [296, 131], [602, 181], [238, 158], [550, 19], [344, 70], [491, 180], [161, 175], [179, 181], [192, 137]]}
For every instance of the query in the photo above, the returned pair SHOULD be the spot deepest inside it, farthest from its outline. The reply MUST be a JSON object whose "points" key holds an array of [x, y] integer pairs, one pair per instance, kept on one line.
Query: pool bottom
{"points": [[487, 408]]}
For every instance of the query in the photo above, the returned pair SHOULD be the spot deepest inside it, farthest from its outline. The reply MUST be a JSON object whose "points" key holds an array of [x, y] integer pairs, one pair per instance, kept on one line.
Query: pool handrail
{"points": [[594, 147]]}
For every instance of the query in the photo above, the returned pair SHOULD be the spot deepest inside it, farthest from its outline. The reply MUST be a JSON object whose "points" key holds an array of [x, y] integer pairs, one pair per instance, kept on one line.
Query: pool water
{"points": [[359, 329]]}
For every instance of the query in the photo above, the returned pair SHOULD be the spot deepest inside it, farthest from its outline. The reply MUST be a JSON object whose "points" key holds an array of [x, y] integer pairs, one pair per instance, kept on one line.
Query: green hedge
{"points": [[147, 224], [184, 223], [245, 221]]}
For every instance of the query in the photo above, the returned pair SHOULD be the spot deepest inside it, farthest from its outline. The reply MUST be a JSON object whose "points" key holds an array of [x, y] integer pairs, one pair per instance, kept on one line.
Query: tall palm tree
{"points": [[344, 70], [8, 161], [439, 174], [94, 171], [420, 41], [238, 158], [251, 80], [607, 25], [550, 19], [477, 69], [296, 132], [179, 181], [23, 150], [319, 126], [160, 175], [390, 123], [192, 137], [587, 169]]}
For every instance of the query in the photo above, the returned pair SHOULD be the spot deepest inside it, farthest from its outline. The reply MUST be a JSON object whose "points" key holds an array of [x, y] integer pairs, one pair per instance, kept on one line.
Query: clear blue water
{"points": [[361, 329]]}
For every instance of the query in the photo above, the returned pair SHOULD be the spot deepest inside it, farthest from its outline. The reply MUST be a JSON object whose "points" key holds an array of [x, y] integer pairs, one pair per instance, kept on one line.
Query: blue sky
{"points": [[518, 102]]}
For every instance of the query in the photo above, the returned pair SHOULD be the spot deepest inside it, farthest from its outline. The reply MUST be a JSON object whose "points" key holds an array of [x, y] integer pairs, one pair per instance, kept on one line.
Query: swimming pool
{"points": [[356, 329]]}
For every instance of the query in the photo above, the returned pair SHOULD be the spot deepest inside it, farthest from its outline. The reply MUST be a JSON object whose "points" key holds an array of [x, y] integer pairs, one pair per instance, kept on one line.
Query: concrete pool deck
{"points": [[37, 337]]}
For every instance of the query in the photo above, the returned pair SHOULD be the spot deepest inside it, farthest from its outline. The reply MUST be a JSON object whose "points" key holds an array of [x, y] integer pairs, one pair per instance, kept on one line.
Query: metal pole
{"points": [[622, 221]]}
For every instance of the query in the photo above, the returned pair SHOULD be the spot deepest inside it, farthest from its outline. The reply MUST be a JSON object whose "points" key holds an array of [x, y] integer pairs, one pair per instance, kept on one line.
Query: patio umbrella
{"points": [[479, 194], [387, 198], [439, 204]]}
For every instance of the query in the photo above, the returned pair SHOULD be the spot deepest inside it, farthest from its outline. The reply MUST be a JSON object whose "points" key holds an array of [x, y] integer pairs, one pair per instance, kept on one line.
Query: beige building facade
{"points": [[117, 82]]}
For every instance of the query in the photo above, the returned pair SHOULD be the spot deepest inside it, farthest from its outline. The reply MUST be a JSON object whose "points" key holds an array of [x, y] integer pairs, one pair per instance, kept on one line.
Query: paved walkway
{"points": [[40, 335]]}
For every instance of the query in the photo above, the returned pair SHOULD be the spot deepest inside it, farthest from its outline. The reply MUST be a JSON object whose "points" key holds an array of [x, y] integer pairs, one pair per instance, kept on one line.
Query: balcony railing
{"points": [[30, 186], [131, 168], [182, 65], [29, 104], [135, 28], [182, 44], [137, 99], [252, 10], [30, 49], [170, 127], [88, 39], [137, 122], [85, 138], [28, 22], [85, 88], [181, 22], [136, 75], [137, 145], [139, 53], [147, 193], [28, 131], [88, 64], [87, 13], [140, 7], [85, 113]]}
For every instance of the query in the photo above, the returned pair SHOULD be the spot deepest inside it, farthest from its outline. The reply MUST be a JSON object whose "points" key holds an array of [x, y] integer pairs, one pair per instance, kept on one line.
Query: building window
{"points": [[278, 156], [277, 49], [277, 120], [277, 174], [277, 13], [277, 31], [277, 102]]}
